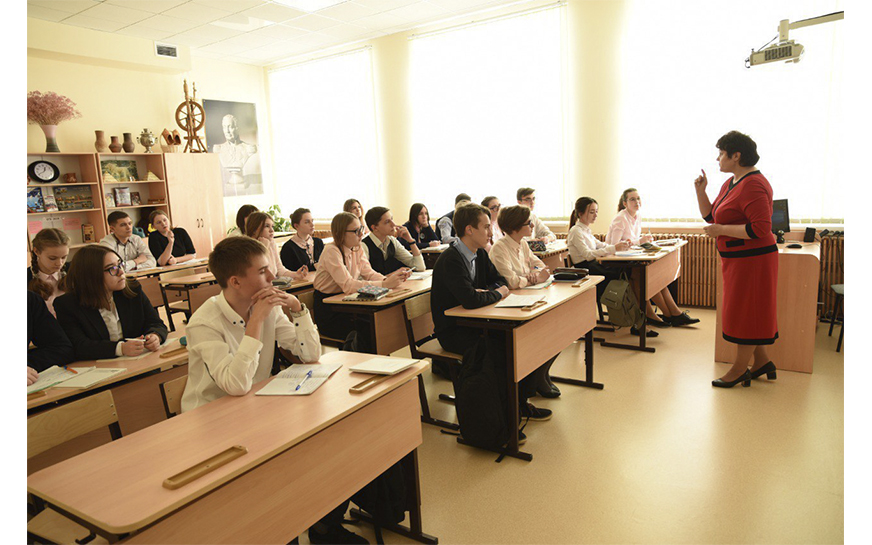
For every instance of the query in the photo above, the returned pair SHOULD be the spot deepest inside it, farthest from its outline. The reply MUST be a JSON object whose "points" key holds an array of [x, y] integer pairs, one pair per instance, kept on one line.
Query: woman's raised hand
{"points": [[701, 181]]}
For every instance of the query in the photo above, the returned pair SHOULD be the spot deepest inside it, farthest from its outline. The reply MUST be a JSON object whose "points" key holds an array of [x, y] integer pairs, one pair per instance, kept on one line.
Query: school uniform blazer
{"points": [[52, 345], [87, 330]]}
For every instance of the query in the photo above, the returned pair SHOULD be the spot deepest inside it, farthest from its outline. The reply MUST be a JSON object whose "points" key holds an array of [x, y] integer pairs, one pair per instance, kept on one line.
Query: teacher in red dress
{"points": [[741, 220]]}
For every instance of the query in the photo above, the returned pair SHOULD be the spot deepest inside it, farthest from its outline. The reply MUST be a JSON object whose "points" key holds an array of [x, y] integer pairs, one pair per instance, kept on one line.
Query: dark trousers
{"points": [[338, 325]]}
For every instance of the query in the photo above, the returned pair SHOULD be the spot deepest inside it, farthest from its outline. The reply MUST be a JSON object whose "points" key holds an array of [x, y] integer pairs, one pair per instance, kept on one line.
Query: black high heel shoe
{"points": [[768, 370], [745, 379]]}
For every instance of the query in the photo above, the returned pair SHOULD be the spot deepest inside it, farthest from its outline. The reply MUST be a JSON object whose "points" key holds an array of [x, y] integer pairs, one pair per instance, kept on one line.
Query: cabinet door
{"points": [[194, 184], [212, 217]]}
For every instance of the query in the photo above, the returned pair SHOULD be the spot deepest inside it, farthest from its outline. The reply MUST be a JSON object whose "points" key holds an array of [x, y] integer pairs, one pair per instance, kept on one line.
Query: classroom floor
{"points": [[658, 456]]}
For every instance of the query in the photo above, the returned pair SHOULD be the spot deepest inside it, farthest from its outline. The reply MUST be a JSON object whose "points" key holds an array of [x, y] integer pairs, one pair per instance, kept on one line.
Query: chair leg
{"points": [[452, 372], [425, 410], [841, 336], [835, 313]]}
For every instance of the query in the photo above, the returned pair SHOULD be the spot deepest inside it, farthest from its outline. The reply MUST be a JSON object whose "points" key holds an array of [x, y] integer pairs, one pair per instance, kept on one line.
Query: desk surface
{"points": [[647, 257], [134, 368], [553, 248], [153, 271], [118, 486], [808, 248], [207, 278], [557, 294], [416, 287]]}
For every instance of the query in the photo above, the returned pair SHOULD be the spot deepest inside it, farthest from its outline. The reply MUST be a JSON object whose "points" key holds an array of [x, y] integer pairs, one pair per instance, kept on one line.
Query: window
{"points": [[685, 84], [487, 114], [324, 134]]}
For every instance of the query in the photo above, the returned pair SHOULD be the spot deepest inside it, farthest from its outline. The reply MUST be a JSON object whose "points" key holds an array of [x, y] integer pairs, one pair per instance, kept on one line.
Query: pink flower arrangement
{"points": [[50, 108]]}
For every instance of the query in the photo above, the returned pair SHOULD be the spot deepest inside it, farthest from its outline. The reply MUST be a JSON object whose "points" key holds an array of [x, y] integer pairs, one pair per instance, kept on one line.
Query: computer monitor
{"points": [[780, 216]]}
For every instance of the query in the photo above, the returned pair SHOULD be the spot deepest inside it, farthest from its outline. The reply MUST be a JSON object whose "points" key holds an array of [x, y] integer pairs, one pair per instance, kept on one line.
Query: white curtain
{"points": [[685, 84], [487, 115], [324, 134]]}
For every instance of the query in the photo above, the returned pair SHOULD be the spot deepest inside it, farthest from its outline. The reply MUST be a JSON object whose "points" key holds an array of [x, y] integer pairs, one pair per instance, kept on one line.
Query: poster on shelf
{"points": [[34, 227], [231, 128], [72, 224]]}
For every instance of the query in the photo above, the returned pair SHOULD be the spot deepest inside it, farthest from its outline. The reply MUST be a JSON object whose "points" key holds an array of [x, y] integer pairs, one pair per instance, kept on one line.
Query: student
{"points": [[132, 249], [102, 315], [241, 215], [517, 263], [419, 227], [259, 226], [303, 250], [493, 205], [627, 226], [51, 345], [169, 245], [354, 206], [585, 249], [48, 265], [527, 197], [464, 275], [383, 249], [344, 268], [445, 224]]}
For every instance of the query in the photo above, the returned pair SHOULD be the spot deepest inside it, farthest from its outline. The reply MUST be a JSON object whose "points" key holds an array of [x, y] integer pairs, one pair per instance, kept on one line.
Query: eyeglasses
{"points": [[528, 199], [115, 270], [530, 223], [358, 231], [494, 208]]}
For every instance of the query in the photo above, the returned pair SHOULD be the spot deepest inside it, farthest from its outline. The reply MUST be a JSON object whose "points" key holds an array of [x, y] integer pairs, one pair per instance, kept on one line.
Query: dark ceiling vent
{"points": [[166, 50]]}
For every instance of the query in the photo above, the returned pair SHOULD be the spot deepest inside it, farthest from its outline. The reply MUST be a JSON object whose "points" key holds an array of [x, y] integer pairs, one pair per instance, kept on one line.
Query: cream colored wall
{"points": [[120, 86]]}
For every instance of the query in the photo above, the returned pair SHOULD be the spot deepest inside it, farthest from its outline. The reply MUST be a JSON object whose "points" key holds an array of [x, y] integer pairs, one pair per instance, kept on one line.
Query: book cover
{"points": [[34, 201], [110, 200], [50, 204], [74, 198], [135, 199], [122, 196], [88, 233]]}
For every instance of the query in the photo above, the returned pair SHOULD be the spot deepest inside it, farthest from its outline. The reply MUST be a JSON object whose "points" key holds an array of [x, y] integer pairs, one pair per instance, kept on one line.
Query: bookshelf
{"points": [[136, 166]]}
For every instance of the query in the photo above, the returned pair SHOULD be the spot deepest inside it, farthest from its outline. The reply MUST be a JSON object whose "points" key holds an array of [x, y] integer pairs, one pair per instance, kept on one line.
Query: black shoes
{"points": [[336, 535], [662, 322], [768, 370], [534, 413], [680, 320], [745, 379], [649, 333], [550, 391]]}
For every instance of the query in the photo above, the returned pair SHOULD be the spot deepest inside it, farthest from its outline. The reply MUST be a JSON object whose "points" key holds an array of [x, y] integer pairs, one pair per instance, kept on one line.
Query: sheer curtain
{"points": [[487, 115], [324, 134], [685, 84]]}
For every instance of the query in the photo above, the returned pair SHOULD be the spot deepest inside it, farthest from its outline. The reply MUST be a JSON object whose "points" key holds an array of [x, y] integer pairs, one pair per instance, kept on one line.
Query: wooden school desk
{"points": [[136, 392], [796, 300], [149, 279], [656, 271], [532, 337], [431, 255], [385, 316], [555, 254], [305, 455]]}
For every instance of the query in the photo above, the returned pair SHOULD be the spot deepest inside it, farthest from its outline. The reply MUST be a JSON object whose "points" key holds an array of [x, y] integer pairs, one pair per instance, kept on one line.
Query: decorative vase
{"points": [[129, 145], [114, 145], [147, 139], [100, 143], [51, 142]]}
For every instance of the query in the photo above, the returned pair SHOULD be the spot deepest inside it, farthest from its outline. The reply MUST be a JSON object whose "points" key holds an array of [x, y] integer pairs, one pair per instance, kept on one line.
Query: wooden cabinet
{"points": [[196, 197]]}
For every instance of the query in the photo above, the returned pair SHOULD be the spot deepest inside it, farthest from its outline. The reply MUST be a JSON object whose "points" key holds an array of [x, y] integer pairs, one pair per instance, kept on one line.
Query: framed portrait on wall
{"points": [[231, 132]]}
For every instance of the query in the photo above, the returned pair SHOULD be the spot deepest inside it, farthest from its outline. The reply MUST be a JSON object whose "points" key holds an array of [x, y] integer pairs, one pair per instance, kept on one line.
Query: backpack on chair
{"points": [[621, 303]]}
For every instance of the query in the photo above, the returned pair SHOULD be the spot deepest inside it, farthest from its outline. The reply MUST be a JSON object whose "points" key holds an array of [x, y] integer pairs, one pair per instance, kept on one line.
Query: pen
{"points": [[71, 369], [307, 377]]}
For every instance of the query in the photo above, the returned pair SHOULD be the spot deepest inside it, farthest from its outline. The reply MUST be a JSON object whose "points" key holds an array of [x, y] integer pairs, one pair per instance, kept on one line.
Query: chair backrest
{"points": [[414, 308], [308, 299], [65, 423], [171, 392]]}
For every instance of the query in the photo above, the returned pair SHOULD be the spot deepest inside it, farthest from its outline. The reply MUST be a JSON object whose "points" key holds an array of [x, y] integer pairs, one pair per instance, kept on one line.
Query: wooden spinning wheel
{"points": [[190, 117]]}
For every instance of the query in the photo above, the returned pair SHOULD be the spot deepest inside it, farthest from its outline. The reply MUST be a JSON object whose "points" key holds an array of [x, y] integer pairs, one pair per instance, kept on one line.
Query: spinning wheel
{"points": [[190, 116]]}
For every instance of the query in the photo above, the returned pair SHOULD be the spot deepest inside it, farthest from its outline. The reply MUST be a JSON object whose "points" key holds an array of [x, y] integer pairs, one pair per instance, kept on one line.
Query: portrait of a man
{"points": [[231, 131]]}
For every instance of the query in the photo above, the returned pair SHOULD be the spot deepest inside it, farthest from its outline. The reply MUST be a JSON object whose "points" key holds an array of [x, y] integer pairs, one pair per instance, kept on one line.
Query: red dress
{"points": [[749, 266]]}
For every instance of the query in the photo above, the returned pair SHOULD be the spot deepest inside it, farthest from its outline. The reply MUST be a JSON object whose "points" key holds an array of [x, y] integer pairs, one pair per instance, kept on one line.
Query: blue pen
{"points": [[307, 377]]}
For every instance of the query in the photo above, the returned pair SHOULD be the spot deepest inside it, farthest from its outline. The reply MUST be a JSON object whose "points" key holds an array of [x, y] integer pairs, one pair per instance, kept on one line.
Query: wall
{"points": [[120, 86]]}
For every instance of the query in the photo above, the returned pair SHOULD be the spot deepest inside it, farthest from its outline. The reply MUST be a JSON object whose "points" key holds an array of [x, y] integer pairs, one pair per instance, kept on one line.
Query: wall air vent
{"points": [[166, 50]]}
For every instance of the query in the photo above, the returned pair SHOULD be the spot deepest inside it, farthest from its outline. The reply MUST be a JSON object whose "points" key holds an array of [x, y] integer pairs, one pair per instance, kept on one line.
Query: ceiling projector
{"points": [[786, 52]]}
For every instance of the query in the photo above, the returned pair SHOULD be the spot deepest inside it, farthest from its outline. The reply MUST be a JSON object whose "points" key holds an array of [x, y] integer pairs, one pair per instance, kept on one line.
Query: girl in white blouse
{"points": [[627, 226], [259, 226], [513, 259]]}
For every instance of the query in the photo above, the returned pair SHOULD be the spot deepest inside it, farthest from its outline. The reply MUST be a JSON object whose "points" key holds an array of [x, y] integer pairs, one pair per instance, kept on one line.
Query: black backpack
{"points": [[385, 497], [480, 395]]}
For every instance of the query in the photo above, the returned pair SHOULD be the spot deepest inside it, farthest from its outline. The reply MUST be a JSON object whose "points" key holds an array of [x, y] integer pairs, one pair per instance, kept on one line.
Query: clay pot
{"points": [[100, 143], [114, 145], [129, 145]]}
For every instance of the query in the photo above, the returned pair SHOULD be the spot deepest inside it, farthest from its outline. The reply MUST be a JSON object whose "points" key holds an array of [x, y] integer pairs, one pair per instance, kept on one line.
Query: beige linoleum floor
{"points": [[658, 456]]}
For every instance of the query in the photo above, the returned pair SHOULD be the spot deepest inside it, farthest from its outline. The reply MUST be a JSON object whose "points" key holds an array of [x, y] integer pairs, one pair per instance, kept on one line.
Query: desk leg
{"points": [[643, 330], [163, 292], [413, 505], [588, 381]]}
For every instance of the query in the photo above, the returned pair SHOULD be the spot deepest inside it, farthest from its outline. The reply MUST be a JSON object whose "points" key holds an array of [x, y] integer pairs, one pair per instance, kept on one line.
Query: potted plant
{"points": [[48, 110]]}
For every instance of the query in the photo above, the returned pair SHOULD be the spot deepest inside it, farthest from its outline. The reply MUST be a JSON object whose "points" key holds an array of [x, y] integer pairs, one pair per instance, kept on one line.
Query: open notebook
{"points": [[307, 376], [81, 377]]}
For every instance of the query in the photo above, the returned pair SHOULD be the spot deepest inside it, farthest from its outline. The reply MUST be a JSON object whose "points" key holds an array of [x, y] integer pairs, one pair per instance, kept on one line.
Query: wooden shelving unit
{"points": [[147, 189]]}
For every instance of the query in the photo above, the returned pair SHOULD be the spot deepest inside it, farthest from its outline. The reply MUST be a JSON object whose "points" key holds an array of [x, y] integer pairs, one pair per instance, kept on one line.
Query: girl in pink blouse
{"points": [[259, 226], [493, 204], [340, 270]]}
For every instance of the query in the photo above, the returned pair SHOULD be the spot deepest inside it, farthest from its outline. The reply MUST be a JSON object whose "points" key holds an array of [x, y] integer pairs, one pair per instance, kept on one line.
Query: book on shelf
{"points": [[122, 196], [50, 204], [88, 234], [35, 204], [110, 200], [74, 198], [135, 199]]}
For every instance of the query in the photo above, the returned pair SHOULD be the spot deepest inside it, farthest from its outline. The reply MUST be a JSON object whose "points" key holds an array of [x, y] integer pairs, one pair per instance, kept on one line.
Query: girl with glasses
{"points": [[493, 205], [104, 316]]}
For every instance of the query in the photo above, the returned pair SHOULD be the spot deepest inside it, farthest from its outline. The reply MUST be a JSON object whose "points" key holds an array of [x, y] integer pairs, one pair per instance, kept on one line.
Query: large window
{"points": [[685, 84], [324, 134], [487, 115]]}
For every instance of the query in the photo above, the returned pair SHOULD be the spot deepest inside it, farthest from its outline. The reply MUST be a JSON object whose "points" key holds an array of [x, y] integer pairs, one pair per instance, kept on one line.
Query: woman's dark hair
{"points": [[414, 211], [486, 200], [254, 224], [244, 211], [338, 228], [85, 278], [513, 218], [297, 216], [46, 238], [623, 198], [734, 141], [346, 206], [580, 208]]}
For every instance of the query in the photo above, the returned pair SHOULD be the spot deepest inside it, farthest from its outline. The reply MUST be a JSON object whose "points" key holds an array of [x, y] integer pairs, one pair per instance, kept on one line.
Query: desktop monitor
{"points": [[780, 216]]}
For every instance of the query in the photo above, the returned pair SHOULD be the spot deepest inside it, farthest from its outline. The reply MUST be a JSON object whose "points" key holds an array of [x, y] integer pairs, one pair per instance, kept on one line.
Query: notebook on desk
{"points": [[79, 377], [299, 379], [383, 365]]}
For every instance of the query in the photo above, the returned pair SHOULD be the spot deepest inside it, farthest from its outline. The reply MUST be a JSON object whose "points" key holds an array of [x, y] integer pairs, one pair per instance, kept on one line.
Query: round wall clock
{"points": [[43, 171]]}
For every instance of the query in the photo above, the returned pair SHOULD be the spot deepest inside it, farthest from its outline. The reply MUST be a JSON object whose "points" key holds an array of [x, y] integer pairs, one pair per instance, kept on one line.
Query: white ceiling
{"points": [[256, 32]]}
